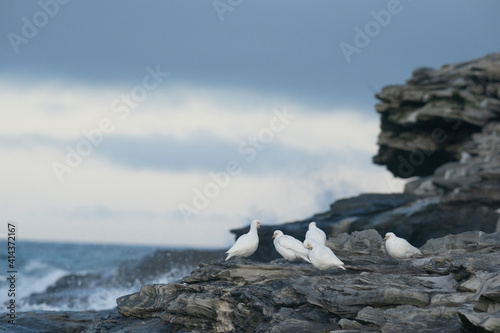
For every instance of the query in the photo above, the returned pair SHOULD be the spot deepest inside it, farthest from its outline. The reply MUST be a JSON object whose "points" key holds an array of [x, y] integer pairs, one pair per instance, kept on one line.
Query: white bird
{"points": [[316, 234], [399, 248], [321, 256], [246, 244], [290, 248]]}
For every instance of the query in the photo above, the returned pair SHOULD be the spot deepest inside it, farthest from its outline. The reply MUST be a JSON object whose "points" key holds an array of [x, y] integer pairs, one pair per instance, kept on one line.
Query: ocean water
{"points": [[89, 271]]}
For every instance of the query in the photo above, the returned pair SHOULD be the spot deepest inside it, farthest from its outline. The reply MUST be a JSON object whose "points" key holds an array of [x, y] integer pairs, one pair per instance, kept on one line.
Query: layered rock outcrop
{"points": [[427, 122], [454, 286]]}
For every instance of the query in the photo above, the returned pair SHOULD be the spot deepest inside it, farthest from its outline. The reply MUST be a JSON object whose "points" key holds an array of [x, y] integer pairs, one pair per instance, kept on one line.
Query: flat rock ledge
{"points": [[455, 287]]}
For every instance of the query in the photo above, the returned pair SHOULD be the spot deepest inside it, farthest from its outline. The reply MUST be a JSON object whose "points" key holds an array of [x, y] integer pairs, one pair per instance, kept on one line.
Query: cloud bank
{"points": [[130, 185]]}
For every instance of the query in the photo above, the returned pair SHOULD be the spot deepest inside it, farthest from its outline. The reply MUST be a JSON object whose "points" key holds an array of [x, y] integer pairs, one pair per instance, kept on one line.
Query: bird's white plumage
{"points": [[321, 256], [246, 244], [316, 234], [290, 248], [399, 248]]}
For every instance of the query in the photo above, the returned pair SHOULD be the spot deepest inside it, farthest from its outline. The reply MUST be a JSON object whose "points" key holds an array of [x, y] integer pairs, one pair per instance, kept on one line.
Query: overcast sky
{"points": [[170, 122]]}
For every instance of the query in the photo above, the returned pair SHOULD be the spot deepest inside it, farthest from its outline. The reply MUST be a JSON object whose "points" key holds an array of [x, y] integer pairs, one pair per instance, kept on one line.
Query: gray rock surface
{"points": [[455, 286]]}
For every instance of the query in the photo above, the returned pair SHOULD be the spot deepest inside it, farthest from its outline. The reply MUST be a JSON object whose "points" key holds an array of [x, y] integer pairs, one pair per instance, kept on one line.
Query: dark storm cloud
{"points": [[279, 48]]}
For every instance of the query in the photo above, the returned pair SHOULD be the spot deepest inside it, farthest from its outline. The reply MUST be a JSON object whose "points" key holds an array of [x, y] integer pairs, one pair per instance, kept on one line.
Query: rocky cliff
{"points": [[456, 286], [428, 121]]}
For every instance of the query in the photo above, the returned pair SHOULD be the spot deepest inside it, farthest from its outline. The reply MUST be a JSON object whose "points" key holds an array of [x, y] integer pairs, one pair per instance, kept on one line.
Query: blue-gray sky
{"points": [[286, 48], [66, 68]]}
